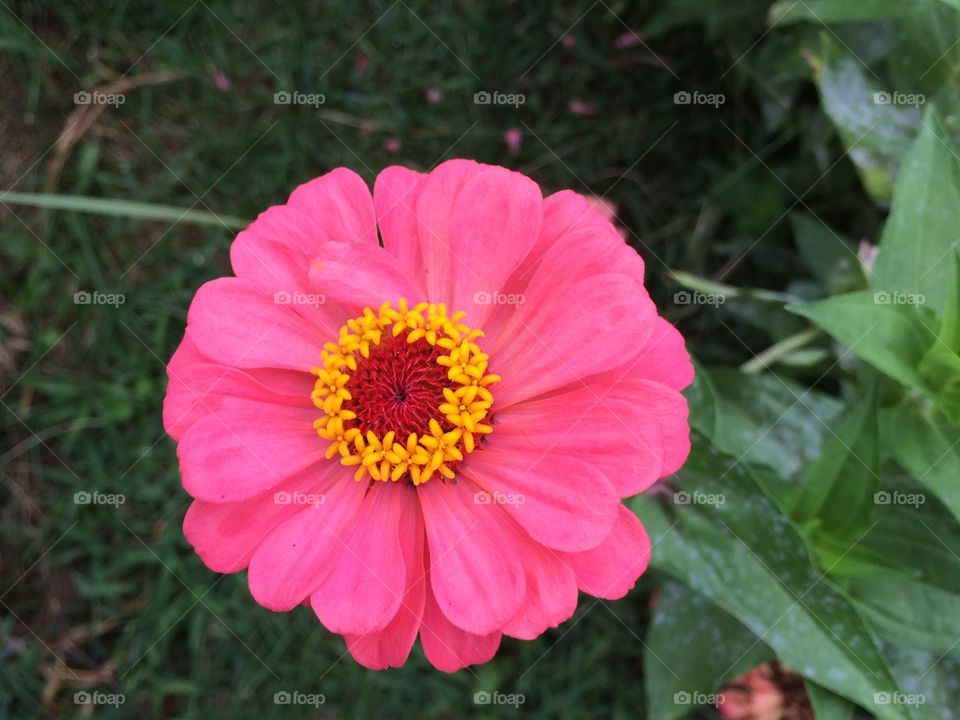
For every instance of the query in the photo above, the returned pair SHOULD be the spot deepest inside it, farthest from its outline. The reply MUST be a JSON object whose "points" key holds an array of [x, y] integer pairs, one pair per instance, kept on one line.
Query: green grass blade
{"points": [[123, 208]]}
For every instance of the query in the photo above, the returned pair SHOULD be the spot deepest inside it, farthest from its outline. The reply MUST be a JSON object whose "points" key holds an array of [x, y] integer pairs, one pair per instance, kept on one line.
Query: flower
{"points": [[768, 692], [430, 437]]}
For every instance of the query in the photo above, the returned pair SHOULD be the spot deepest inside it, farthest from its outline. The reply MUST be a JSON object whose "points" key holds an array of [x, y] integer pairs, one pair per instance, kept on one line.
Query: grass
{"points": [[113, 598]]}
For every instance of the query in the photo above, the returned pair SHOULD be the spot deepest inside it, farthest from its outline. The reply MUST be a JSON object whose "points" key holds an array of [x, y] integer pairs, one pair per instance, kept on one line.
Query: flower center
{"points": [[404, 392]]}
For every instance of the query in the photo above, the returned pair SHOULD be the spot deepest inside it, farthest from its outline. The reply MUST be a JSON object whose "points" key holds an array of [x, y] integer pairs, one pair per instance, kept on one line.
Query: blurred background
{"points": [[747, 150]]}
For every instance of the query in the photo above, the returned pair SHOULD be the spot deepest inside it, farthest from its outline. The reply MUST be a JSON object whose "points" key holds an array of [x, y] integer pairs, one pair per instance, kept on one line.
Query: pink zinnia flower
{"points": [[768, 692], [430, 437]]}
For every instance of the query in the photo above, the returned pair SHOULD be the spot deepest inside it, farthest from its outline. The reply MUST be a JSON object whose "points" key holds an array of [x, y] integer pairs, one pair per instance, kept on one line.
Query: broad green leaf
{"points": [[702, 400], [831, 257], [927, 450], [876, 132], [909, 612], [750, 560], [715, 649], [123, 208], [891, 335], [836, 495], [771, 421], [924, 226], [827, 705], [940, 366], [929, 680], [926, 55]]}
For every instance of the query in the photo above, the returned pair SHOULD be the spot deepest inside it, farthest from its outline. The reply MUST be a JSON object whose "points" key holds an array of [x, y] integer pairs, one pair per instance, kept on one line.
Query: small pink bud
{"points": [[221, 81], [582, 107], [514, 140], [628, 40]]}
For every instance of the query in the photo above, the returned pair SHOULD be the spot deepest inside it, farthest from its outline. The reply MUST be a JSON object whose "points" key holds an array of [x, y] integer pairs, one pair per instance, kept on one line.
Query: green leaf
{"points": [[929, 680], [836, 494], [877, 135], [924, 224], [940, 366], [911, 592], [702, 400], [750, 560], [785, 12], [831, 257], [771, 421], [927, 450], [893, 337], [909, 612], [715, 649], [926, 56], [827, 705], [123, 208]]}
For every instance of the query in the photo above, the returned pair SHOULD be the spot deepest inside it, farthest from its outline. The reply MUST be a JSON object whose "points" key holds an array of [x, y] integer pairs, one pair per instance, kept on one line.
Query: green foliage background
{"points": [[827, 403]]}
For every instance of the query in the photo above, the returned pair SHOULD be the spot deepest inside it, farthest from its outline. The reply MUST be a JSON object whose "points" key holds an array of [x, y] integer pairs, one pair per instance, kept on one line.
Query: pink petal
{"points": [[225, 535], [275, 251], [434, 212], [635, 431], [496, 219], [607, 423], [560, 338], [298, 554], [611, 569], [668, 408], [245, 448], [551, 594], [663, 359], [235, 323], [395, 197], [391, 646], [362, 275], [341, 206], [198, 386], [562, 501], [478, 583], [447, 647], [367, 582]]}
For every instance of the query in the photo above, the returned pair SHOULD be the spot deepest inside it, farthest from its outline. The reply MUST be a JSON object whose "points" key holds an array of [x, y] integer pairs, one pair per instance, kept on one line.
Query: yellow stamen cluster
{"points": [[466, 401]]}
